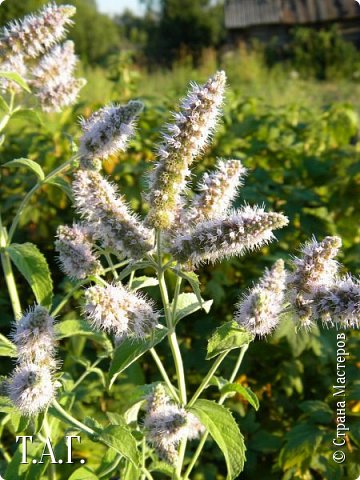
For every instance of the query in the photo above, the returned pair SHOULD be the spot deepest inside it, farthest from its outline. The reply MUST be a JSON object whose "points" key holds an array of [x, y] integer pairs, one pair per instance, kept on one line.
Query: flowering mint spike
{"points": [[108, 130], [117, 310], [245, 229], [34, 338], [31, 388], [52, 77], [183, 141], [217, 191], [339, 304], [315, 269], [12, 64], [35, 34], [76, 255], [259, 311], [109, 217], [167, 424]]}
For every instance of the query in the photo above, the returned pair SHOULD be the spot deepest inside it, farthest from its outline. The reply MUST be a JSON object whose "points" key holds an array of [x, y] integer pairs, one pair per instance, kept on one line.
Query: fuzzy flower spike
{"points": [[182, 142], [53, 78], [245, 229], [31, 388], [340, 304], [108, 216], [167, 424], [259, 311], [34, 337], [217, 191], [314, 270], [108, 130], [35, 34], [76, 253], [117, 310]]}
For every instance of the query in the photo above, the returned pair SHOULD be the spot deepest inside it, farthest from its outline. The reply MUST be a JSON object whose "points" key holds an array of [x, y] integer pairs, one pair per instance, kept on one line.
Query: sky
{"points": [[118, 6]]}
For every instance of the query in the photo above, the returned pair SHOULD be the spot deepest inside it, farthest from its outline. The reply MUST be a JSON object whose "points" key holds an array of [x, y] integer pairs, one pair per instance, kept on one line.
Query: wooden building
{"points": [[264, 19]]}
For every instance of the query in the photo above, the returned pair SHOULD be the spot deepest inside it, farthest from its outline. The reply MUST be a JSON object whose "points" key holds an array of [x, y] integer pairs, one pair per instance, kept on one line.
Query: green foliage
{"points": [[225, 432]]}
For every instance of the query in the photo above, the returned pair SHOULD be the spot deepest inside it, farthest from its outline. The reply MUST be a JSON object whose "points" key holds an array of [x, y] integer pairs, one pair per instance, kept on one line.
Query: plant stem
{"points": [[9, 276], [110, 468], [86, 373], [70, 419], [51, 470], [31, 193], [207, 378], [165, 376], [220, 402]]}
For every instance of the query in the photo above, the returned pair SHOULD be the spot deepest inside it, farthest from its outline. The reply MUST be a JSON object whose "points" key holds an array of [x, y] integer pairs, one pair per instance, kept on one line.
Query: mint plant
{"points": [[111, 254]]}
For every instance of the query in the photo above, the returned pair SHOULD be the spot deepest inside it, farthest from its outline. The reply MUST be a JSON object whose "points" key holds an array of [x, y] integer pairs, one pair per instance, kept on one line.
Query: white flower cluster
{"points": [[32, 387], [316, 291], [53, 78], [115, 309], [167, 423], [218, 190], [182, 142], [259, 311], [108, 216], [23, 41], [242, 230], [108, 130], [76, 251]]}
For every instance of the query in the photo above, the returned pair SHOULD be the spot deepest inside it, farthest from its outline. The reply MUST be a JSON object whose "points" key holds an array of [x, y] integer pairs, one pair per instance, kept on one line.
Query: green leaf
{"points": [[6, 405], [133, 267], [119, 437], [63, 185], [7, 348], [130, 350], [26, 162], [28, 114], [15, 77], [142, 282], [188, 303], [3, 105], [246, 392], [301, 443], [227, 337], [78, 326], [83, 473], [131, 472], [33, 265], [225, 432], [193, 279]]}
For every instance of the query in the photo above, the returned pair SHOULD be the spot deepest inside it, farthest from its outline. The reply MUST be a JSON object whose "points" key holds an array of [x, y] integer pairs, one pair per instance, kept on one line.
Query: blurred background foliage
{"points": [[292, 117]]}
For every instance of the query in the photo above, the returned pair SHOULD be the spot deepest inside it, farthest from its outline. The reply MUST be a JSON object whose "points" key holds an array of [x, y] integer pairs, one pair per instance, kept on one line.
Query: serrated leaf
{"points": [[188, 303], [83, 473], [7, 348], [115, 418], [130, 350], [301, 443], [225, 432], [121, 439], [142, 282], [33, 266], [63, 185], [193, 279], [15, 77], [227, 337], [26, 162], [246, 392]]}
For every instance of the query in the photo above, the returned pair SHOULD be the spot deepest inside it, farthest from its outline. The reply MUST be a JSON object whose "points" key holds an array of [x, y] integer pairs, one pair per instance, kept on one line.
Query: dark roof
{"points": [[246, 13]]}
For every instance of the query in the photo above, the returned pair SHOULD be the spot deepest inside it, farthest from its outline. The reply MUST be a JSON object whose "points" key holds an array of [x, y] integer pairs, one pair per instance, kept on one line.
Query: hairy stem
{"points": [[165, 376]]}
